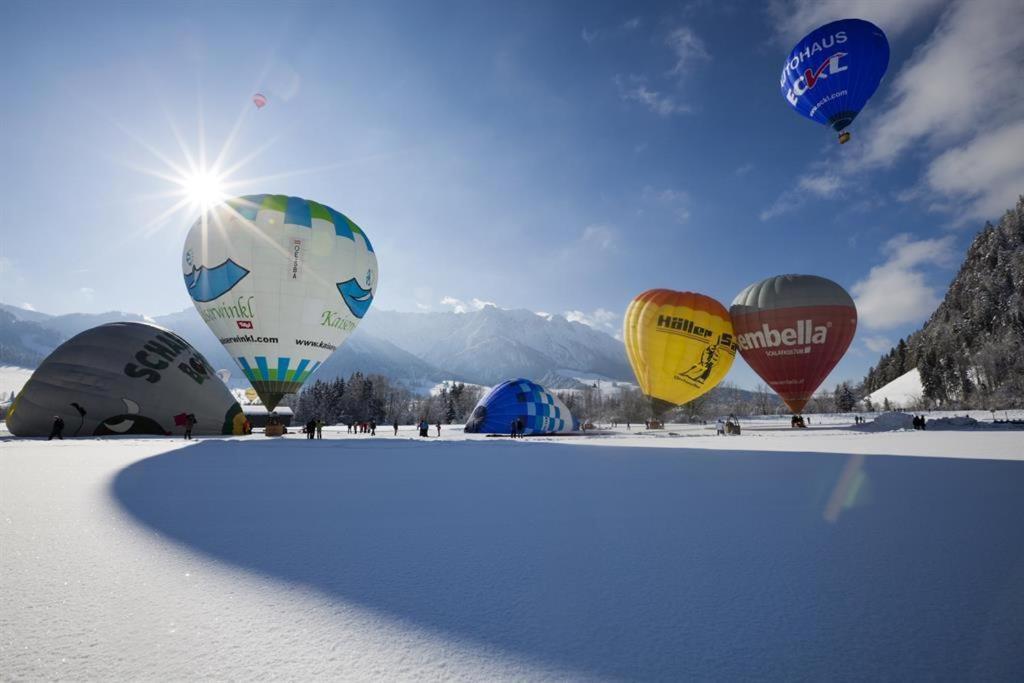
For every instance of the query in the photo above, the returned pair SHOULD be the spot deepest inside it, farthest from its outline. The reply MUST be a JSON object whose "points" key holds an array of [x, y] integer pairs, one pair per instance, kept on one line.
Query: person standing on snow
{"points": [[58, 428], [438, 428], [190, 422], [319, 429], [396, 426]]}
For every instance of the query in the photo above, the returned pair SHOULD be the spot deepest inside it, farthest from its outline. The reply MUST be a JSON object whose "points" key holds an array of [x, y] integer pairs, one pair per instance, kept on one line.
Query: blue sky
{"points": [[559, 157]]}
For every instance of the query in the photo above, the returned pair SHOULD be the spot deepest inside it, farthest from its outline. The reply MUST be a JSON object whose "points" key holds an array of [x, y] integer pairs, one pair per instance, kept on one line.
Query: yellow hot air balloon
{"points": [[680, 344]]}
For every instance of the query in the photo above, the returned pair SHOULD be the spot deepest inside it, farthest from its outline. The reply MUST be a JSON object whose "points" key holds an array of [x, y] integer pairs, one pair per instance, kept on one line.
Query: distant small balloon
{"points": [[260, 100]]}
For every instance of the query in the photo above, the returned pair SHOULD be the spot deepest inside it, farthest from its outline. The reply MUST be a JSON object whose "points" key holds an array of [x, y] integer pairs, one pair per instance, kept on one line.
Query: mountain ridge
{"points": [[416, 349]]}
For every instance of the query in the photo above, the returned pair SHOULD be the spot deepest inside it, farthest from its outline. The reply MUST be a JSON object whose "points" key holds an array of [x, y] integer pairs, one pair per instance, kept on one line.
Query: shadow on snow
{"points": [[627, 562]]}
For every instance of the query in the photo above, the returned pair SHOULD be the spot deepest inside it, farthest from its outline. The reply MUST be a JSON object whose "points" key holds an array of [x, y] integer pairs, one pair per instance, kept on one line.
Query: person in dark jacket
{"points": [[58, 428], [396, 426], [520, 427], [190, 422]]}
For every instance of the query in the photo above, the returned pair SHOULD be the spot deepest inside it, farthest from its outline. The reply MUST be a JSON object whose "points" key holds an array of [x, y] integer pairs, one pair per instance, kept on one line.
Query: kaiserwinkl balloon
{"points": [[520, 399], [282, 282], [260, 100], [680, 345], [792, 330], [121, 379], [830, 74]]}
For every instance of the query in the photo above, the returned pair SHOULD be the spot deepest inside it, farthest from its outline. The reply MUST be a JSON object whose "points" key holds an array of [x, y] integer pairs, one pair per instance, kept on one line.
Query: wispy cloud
{"points": [[688, 49], [878, 344], [632, 24], [635, 89], [744, 169], [27, 306], [676, 202], [589, 36], [599, 235], [823, 185], [896, 293]]}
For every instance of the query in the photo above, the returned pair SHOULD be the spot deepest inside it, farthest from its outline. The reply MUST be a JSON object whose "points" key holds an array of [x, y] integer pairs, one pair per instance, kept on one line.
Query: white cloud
{"points": [[28, 307], [896, 293], [460, 306], [796, 18], [744, 169], [985, 176], [600, 319], [960, 81], [634, 89], [878, 344], [824, 185], [87, 292], [589, 36], [632, 24], [687, 47], [599, 235]]}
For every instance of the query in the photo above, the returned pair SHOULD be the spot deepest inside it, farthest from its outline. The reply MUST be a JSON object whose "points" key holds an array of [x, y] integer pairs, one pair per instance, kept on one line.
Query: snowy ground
{"points": [[808, 554]]}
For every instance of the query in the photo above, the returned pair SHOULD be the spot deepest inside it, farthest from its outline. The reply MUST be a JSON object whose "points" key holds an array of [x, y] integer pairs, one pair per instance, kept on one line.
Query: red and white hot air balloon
{"points": [[260, 100], [792, 330]]}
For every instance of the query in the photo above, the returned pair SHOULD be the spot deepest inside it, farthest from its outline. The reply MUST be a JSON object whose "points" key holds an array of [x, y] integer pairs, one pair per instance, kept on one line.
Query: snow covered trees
{"points": [[969, 351]]}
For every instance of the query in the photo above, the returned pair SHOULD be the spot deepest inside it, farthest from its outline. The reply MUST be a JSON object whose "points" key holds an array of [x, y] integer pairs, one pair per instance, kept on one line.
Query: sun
{"points": [[203, 189]]}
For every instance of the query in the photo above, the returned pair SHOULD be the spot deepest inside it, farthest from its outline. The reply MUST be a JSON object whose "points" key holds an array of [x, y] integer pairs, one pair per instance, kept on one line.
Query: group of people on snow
{"points": [[517, 428]]}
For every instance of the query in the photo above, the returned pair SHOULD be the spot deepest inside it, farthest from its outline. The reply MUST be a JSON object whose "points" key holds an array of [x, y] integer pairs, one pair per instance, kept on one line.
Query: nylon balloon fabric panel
{"points": [[520, 399], [680, 344], [834, 70], [792, 330], [121, 379], [282, 282]]}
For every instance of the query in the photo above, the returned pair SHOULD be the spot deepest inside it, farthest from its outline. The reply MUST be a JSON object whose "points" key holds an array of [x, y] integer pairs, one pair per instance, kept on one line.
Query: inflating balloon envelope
{"points": [[282, 282], [680, 345], [540, 411], [124, 379]]}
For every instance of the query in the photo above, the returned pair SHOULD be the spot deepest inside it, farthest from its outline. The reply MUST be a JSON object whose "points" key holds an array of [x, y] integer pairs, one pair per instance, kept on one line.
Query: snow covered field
{"points": [[778, 554]]}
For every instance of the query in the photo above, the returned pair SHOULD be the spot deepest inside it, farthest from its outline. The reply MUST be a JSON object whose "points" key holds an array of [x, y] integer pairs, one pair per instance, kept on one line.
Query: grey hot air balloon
{"points": [[124, 378]]}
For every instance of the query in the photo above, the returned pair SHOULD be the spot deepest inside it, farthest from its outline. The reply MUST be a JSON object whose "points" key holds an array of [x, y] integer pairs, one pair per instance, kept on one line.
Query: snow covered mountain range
{"points": [[415, 349]]}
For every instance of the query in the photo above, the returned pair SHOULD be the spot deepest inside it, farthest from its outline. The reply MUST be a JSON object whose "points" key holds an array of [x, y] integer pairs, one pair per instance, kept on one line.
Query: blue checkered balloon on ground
{"points": [[520, 399]]}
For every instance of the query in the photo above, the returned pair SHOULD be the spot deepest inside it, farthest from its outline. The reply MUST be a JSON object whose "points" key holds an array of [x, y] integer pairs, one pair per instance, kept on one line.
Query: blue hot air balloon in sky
{"points": [[540, 410], [831, 74]]}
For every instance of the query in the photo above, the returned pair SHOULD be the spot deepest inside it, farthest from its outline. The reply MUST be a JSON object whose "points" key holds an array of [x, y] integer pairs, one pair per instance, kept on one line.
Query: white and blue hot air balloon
{"points": [[282, 282]]}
